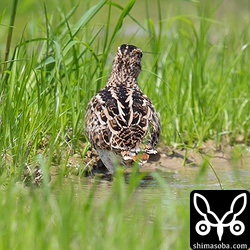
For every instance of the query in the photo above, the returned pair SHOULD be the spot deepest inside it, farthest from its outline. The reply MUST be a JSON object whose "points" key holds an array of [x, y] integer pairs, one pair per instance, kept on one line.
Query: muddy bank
{"points": [[170, 158]]}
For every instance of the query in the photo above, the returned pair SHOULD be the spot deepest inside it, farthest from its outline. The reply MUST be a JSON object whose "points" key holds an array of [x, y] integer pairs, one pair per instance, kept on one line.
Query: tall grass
{"points": [[202, 91], [195, 75], [195, 70]]}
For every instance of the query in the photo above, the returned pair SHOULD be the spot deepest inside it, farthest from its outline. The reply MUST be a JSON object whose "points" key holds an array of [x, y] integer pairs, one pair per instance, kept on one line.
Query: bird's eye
{"points": [[141, 55]]}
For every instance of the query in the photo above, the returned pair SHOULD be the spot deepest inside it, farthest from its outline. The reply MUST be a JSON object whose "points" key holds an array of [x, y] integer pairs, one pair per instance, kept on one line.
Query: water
{"points": [[174, 183]]}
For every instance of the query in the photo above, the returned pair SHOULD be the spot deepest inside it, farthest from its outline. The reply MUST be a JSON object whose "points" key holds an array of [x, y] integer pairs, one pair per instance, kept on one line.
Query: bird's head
{"points": [[128, 60]]}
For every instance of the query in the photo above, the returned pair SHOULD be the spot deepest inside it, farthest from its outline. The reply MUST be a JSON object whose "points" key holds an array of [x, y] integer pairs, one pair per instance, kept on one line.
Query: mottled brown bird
{"points": [[121, 122]]}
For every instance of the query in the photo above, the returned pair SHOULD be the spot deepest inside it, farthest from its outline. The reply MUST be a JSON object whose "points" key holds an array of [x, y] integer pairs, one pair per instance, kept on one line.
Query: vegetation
{"points": [[196, 71]]}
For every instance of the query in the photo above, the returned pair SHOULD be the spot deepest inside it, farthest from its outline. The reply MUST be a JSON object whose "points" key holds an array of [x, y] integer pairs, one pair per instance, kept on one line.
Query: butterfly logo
{"points": [[203, 227]]}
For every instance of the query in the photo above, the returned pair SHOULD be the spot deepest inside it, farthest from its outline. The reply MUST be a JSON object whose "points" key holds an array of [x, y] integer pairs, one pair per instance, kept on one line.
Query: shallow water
{"points": [[175, 183]]}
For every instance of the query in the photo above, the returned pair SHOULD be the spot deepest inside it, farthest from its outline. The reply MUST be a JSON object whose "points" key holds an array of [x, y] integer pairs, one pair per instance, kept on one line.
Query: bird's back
{"points": [[123, 120]]}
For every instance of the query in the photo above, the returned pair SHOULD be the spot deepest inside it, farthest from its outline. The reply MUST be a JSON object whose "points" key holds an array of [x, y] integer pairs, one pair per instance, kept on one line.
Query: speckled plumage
{"points": [[121, 122]]}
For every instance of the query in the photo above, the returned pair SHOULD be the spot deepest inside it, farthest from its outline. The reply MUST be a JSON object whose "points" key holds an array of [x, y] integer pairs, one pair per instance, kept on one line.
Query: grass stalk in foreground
{"points": [[59, 218], [9, 37]]}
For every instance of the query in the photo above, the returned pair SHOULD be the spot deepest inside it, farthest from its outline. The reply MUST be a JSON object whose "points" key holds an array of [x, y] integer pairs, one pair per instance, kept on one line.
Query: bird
{"points": [[121, 122]]}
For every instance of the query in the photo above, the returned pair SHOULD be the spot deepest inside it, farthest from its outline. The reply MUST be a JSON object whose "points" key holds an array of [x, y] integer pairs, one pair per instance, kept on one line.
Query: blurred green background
{"points": [[230, 15]]}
